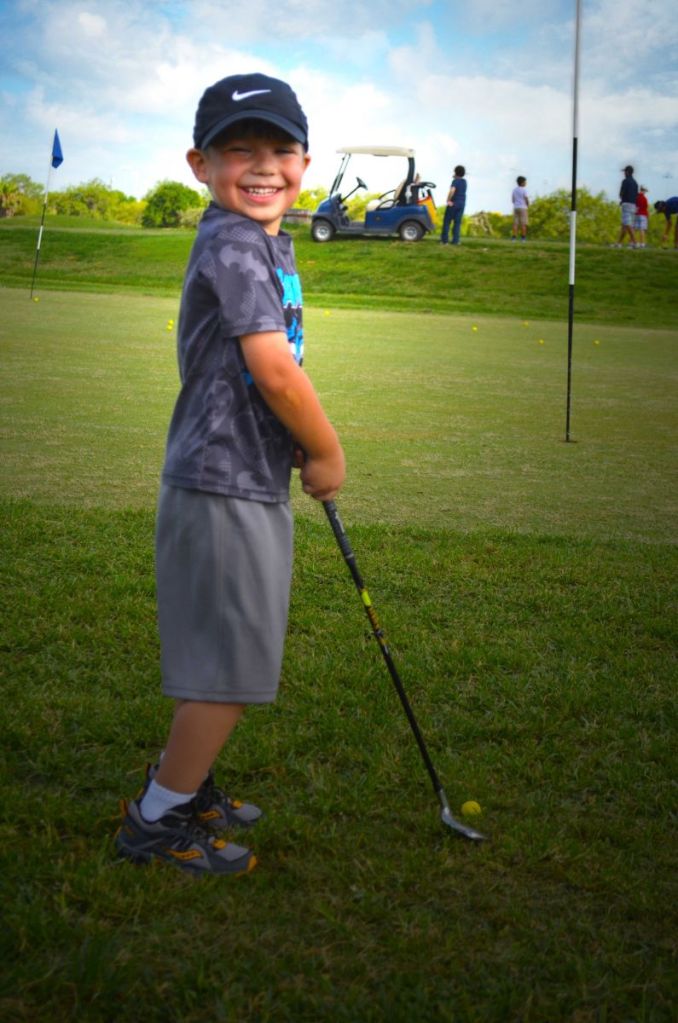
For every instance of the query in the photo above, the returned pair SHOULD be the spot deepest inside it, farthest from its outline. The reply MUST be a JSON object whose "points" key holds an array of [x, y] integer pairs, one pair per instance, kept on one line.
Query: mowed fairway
{"points": [[527, 589], [447, 421]]}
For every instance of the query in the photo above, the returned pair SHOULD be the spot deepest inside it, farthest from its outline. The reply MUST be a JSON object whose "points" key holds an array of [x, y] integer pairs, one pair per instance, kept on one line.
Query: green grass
{"points": [[480, 278], [527, 588], [66, 221], [539, 671], [442, 424]]}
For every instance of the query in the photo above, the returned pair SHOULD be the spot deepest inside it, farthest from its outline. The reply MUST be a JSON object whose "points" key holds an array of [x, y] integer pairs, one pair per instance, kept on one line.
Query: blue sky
{"points": [[486, 83]]}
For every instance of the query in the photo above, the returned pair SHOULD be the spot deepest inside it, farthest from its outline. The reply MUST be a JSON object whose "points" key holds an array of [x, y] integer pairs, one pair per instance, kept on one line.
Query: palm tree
{"points": [[10, 198]]}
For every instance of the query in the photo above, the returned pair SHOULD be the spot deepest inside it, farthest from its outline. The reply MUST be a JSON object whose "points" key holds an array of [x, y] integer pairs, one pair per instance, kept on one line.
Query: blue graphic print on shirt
{"points": [[292, 303]]}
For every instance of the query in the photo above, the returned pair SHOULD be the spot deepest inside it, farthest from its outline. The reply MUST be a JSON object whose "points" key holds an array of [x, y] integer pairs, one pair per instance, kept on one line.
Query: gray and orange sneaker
{"points": [[181, 839], [214, 807]]}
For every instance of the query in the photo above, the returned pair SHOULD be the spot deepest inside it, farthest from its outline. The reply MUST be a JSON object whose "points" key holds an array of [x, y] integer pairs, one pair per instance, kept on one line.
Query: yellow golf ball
{"points": [[596, 342], [541, 340], [36, 299], [474, 328], [471, 809]]}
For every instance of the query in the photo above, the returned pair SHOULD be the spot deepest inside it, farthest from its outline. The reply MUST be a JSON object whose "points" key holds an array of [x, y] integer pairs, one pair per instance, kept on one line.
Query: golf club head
{"points": [[461, 829]]}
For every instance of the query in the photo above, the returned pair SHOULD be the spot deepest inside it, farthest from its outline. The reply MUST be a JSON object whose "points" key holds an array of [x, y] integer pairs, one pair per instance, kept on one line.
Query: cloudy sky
{"points": [[486, 83]]}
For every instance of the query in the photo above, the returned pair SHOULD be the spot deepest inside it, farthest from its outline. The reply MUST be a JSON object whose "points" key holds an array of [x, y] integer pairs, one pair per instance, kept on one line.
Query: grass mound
{"points": [[482, 277]]}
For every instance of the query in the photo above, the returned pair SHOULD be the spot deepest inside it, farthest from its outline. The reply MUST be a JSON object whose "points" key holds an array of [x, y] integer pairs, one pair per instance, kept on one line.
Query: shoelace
{"points": [[194, 831], [209, 792]]}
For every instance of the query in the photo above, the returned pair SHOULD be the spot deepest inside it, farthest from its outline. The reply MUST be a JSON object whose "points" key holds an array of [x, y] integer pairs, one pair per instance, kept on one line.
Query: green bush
{"points": [[191, 217], [19, 195], [167, 201], [127, 211], [486, 225], [92, 199], [310, 198], [597, 216]]}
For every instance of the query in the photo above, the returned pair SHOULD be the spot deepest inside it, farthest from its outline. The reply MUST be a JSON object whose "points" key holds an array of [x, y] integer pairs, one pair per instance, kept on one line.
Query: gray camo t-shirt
{"points": [[223, 437]]}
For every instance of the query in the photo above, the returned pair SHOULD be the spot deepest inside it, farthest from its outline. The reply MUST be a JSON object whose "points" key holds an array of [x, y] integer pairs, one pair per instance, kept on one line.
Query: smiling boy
{"points": [[245, 412]]}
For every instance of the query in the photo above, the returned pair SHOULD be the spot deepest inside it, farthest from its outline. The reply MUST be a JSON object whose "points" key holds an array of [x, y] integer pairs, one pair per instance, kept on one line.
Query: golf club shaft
{"points": [[349, 558]]}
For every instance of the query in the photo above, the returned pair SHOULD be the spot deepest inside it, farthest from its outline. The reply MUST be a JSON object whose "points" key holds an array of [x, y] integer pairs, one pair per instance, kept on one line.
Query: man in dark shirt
{"points": [[668, 207], [454, 210], [628, 193]]}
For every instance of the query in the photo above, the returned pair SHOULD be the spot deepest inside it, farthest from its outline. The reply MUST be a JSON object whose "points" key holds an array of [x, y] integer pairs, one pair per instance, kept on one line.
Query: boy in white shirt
{"points": [[520, 203]]}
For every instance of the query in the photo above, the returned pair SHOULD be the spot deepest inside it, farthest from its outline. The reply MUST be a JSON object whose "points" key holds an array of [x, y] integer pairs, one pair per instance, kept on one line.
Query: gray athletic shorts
{"points": [[223, 570]]}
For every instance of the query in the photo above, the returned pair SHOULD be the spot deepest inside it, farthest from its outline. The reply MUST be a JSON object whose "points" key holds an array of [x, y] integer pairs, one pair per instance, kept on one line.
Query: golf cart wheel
{"points": [[322, 231], [410, 231]]}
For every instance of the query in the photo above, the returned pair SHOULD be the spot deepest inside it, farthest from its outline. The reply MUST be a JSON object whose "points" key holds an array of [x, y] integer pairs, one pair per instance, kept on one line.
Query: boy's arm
{"points": [[290, 395]]}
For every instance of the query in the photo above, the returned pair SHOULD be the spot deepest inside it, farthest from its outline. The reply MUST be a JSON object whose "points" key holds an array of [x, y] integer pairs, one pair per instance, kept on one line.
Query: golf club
{"points": [[349, 557]]}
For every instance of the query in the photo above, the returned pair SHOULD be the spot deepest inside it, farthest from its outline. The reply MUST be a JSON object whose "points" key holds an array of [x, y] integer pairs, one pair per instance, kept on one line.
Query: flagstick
{"points": [[42, 222], [573, 214]]}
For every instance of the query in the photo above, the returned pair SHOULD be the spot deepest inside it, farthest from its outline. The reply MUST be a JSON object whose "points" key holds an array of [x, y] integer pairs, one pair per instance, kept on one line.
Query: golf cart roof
{"points": [[378, 150]]}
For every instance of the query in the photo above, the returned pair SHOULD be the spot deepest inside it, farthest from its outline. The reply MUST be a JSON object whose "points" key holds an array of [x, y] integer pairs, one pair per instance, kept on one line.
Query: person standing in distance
{"points": [[640, 222], [520, 201], [454, 210], [628, 193]]}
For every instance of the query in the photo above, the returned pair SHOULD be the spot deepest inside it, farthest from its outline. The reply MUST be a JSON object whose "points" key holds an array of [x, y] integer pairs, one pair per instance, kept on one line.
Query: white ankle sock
{"points": [[158, 800]]}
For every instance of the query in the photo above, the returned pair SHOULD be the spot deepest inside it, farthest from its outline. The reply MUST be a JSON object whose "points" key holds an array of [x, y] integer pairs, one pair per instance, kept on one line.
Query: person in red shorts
{"points": [[640, 222]]}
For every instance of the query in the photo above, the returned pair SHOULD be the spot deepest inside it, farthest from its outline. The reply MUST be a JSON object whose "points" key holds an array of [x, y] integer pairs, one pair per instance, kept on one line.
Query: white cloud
{"points": [[484, 16], [621, 39], [301, 19], [91, 24], [360, 52]]}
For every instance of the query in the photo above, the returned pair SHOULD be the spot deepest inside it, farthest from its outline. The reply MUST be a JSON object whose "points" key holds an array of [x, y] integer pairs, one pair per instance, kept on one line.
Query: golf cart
{"points": [[407, 210]]}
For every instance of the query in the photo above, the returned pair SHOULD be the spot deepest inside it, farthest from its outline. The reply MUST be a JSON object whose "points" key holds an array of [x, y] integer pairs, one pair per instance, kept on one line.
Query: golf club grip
{"points": [[343, 542], [349, 557]]}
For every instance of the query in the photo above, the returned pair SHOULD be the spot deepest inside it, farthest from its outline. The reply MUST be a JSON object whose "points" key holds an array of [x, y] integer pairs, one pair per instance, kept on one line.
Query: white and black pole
{"points": [[573, 214], [55, 159]]}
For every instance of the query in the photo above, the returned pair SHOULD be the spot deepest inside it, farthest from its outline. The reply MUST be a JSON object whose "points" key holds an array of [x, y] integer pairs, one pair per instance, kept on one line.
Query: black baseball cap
{"points": [[244, 98], [628, 169]]}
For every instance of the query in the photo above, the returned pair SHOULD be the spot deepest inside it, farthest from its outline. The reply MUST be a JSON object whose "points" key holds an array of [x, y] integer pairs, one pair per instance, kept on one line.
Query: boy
{"points": [[640, 222], [520, 202], [245, 413], [454, 209]]}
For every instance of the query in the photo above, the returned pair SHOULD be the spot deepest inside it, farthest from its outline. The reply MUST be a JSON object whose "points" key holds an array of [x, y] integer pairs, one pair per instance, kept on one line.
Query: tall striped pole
{"points": [[573, 214]]}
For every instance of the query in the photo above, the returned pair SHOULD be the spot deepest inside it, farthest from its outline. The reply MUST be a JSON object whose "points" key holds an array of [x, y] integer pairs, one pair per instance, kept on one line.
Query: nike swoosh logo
{"points": [[238, 96]]}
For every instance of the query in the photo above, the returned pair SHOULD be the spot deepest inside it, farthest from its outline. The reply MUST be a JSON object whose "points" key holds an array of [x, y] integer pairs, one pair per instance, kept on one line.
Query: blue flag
{"points": [[57, 155]]}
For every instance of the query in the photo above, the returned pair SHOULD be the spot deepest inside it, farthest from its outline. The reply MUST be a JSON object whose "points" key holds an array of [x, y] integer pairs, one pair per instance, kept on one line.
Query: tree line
{"points": [[173, 204], [167, 204]]}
